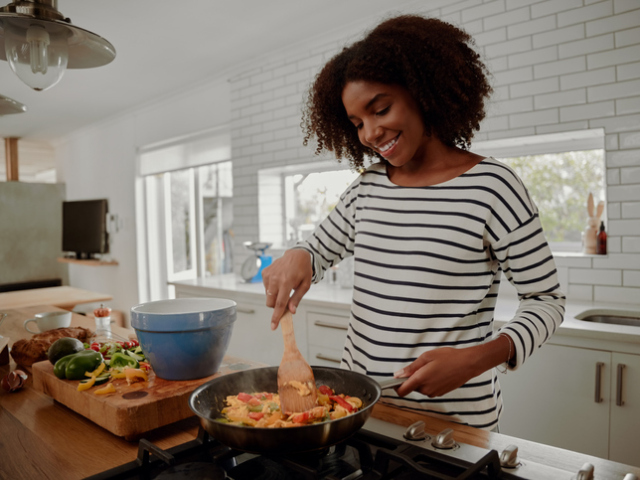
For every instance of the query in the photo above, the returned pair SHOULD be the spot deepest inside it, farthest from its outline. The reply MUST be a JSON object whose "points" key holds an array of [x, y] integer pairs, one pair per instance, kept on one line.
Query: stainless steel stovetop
{"points": [[379, 451]]}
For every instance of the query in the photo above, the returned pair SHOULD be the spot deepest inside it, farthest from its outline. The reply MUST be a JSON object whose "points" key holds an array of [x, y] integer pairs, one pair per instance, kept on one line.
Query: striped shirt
{"points": [[427, 267]]}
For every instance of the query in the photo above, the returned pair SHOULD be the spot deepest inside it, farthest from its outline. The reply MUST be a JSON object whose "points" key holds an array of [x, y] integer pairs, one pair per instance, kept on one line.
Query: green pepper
{"points": [[61, 365], [81, 362], [120, 360]]}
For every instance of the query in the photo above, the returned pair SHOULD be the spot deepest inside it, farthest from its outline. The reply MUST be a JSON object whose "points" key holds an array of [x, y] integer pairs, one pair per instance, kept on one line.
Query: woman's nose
{"points": [[370, 134]]}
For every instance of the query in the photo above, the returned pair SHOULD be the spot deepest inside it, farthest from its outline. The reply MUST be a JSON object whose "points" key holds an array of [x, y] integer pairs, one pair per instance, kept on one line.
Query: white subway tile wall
{"points": [[558, 65]]}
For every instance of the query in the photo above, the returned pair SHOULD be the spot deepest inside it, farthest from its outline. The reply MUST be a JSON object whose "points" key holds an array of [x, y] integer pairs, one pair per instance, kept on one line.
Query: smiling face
{"points": [[388, 121]]}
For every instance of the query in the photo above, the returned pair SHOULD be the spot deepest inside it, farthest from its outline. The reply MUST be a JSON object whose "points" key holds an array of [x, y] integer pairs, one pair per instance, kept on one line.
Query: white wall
{"points": [[100, 162], [558, 65]]}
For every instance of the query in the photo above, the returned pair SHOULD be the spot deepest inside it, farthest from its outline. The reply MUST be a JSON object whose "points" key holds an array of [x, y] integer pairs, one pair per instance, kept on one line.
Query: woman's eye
{"points": [[383, 111], [359, 126]]}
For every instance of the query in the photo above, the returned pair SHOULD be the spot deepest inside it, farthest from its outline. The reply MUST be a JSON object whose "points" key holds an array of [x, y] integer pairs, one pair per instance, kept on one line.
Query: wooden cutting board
{"points": [[133, 409]]}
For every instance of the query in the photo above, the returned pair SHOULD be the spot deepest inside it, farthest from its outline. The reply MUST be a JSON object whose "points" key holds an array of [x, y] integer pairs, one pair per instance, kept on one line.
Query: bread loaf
{"points": [[28, 352]]}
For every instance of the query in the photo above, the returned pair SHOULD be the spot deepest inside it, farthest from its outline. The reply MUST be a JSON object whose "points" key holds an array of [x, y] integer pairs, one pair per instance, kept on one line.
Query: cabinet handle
{"points": [[245, 310], [599, 366], [320, 323], [619, 401], [321, 356]]}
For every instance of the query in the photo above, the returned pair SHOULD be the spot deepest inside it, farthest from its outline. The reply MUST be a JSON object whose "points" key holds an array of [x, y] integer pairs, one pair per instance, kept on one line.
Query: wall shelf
{"points": [[92, 261]]}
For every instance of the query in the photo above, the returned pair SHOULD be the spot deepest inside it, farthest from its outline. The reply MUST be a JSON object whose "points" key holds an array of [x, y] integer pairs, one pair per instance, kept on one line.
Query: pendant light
{"points": [[9, 106], [40, 44]]}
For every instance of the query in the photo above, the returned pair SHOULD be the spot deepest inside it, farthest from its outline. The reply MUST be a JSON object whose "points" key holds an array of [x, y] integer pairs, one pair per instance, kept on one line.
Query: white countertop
{"points": [[331, 296]]}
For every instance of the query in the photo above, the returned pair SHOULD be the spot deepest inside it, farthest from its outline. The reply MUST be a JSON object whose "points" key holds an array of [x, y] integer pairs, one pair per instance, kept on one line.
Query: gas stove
{"points": [[379, 451]]}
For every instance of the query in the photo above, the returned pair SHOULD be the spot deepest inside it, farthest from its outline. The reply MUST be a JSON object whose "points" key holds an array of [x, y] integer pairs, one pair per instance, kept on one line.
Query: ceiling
{"points": [[165, 46]]}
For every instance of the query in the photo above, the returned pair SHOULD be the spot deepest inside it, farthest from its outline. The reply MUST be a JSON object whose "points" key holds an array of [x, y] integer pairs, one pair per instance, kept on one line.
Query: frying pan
{"points": [[208, 400]]}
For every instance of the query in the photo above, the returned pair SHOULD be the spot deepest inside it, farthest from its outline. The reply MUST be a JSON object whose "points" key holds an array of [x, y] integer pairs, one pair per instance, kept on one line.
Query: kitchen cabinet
{"points": [[327, 334], [574, 398]]}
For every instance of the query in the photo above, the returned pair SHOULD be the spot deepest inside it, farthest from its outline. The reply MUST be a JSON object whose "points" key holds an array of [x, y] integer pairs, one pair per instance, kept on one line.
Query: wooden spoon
{"points": [[296, 384]]}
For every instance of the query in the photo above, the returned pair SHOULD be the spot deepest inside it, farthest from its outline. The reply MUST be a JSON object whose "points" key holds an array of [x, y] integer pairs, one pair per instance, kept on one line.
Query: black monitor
{"points": [[84, 227]]}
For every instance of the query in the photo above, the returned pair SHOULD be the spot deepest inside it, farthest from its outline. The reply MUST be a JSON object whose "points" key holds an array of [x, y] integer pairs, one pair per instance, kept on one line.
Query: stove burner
{"points": [[259, 468], [192, 471]]}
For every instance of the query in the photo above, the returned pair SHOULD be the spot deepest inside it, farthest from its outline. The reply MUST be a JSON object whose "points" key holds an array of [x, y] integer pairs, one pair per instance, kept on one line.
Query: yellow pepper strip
{"points": [[96, 372], [88, 385], [108, 388], [131, 374], [116, 374]]}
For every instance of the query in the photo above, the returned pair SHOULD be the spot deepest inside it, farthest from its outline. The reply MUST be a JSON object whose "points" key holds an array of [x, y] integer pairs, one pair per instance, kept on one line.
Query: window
{"points": [[295, 199], [559, 170], [187, 203]]}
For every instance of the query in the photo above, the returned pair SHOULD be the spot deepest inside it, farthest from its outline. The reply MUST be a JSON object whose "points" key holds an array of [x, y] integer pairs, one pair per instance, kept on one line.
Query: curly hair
{"points": [[432, 59]]}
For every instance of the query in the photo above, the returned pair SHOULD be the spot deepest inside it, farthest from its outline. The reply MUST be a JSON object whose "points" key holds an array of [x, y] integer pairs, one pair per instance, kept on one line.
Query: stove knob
{"points": [[416, 431], [630, 476], [509, 457], [444, 439], [586, 472]]}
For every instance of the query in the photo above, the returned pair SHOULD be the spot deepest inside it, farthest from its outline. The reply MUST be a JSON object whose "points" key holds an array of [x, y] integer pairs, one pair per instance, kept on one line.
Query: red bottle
{"points": [[601, 242]]}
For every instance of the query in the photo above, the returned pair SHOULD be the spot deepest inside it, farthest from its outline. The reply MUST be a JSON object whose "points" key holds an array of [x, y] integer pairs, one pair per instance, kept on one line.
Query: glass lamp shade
{"points": [[9, 106], [37, 52]]}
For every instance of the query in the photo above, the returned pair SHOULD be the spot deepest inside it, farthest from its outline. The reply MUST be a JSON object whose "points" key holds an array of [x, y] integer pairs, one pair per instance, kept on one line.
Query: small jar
{"points": [[103, 318]]}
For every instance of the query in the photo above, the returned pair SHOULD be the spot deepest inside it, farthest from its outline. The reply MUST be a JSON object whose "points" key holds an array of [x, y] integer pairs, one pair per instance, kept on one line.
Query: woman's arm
{"points": [[306, 263], [526, 260]]}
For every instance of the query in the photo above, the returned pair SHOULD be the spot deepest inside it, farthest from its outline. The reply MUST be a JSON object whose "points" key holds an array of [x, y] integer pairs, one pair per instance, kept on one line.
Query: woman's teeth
{"points": [[383, 148]]}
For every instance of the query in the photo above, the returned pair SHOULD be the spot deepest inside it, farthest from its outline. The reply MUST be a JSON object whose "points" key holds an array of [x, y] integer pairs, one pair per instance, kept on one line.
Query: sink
{"points": [[614, 317]]}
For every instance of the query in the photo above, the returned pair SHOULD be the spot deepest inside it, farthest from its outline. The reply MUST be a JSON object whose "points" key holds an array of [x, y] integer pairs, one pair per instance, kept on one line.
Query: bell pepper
{"points": [[61, 365], [108, 388], [86, 384], [120, 360], [133, 374], [76, 365], [342, 402]]}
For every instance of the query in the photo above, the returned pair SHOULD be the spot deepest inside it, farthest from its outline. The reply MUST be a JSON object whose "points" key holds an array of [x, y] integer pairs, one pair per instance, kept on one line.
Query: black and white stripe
{"points": [[428, 262]]}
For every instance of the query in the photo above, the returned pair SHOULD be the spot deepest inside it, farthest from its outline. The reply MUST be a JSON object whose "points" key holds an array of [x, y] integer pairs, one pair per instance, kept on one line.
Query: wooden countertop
{"points": [[43, 439], [64, 297]]}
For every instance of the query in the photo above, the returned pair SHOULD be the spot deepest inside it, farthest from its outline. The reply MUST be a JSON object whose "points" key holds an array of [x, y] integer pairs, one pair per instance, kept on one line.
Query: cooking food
{"points": [[262, 409], [28, 352]]}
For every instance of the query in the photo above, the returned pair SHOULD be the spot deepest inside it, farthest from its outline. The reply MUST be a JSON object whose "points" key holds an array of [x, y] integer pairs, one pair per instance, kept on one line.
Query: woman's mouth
{"points": [[387, 148]]}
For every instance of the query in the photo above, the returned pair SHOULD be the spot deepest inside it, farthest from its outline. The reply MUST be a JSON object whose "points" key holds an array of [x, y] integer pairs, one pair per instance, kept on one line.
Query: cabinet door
{"points": [[625, 409], [252, 337], [552, 399]]}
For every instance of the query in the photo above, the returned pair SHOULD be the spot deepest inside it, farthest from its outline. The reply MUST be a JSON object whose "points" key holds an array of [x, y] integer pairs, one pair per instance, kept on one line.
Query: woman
{"points": [[431, 225]]}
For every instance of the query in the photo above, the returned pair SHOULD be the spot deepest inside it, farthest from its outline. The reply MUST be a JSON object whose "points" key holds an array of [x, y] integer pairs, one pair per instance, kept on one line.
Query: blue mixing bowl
{"points": [[184, 338]]}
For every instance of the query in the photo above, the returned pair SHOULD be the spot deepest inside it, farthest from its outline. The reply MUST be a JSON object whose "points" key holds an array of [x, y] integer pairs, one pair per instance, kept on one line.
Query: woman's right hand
{"points": [[290, 272]]}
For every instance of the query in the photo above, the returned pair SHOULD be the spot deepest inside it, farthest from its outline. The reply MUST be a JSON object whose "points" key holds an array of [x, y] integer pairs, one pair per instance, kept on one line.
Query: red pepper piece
{"points": [[256, 415], [244, 397], [342, 402], [300, 417], [323, 389]]}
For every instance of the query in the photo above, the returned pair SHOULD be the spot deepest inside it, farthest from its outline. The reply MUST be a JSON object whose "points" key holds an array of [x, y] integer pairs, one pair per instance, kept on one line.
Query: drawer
{"points": [[327, 330], [325, 357]]}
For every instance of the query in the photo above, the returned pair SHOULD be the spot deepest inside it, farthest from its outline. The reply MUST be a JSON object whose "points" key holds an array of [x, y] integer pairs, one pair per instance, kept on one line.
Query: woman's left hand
{"points": [[438, 371]]}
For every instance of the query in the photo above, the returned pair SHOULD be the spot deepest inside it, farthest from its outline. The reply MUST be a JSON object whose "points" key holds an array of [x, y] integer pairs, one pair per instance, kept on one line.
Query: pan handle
{"points": [[391, 383]]}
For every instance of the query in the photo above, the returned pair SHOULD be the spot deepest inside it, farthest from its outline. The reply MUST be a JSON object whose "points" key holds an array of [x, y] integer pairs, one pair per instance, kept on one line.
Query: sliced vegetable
{"points": [[323, 389], [133, 374], [79, 363], [86, 384], [342, 402], [109, 388], [120, 360]]}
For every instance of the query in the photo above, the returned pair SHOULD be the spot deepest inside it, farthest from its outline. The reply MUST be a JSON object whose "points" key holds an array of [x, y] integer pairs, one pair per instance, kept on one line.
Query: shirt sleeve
{"points": [[527, 262], [334, 239]]}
